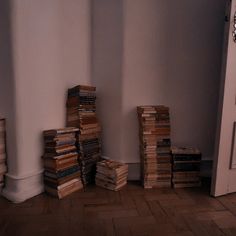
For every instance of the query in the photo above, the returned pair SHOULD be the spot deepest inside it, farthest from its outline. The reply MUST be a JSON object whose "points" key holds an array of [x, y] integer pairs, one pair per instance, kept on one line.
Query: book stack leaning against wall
{"points": [[81, 113], [186, 167], [3, 167], [62, 171], [111, 174], [154, 135]]}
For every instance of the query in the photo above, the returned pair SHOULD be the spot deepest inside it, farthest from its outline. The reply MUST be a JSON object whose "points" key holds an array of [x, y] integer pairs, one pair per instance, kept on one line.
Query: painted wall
{"points": [[145, 66], [51, 52], [150, 52], [171, 55], [107, 56], [7, 85], [194, 72]]}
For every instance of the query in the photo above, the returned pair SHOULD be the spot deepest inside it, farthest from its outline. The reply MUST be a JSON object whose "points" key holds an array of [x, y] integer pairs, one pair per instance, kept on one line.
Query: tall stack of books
{"points": [[186, 167], [81, 113], [62, 171], [154, 134], [3, 167], [111, 174]]}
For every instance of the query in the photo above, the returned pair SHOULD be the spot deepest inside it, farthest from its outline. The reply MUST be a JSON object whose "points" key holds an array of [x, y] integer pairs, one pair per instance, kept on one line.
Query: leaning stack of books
{"points": [[154, 135], [111, 175], [81, 113], [3, 166], [186, 167], [89, 147], [62, 171]]}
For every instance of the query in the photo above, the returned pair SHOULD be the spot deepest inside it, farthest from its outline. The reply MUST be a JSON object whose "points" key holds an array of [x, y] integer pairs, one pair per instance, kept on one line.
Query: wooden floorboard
{"points": [[133, 211]]}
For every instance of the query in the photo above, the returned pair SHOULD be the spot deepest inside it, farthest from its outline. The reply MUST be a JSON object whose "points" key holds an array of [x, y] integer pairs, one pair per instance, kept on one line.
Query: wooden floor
{"points": [[132, 211]]}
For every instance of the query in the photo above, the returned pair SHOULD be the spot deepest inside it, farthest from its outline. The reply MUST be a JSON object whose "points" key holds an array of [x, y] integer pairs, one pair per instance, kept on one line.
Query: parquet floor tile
{"points": [[133, 211]]}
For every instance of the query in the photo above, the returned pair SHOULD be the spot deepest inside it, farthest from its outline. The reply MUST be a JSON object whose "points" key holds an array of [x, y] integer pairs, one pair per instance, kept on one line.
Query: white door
{"points": [[224, 171]]}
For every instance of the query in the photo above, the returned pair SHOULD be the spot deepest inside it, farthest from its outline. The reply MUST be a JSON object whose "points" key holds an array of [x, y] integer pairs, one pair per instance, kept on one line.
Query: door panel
{"points": [[224, 176]]}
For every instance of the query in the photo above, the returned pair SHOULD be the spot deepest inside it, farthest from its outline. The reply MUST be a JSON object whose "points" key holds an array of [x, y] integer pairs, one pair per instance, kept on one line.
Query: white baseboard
{"points": [[134, 169], [20, 188]]}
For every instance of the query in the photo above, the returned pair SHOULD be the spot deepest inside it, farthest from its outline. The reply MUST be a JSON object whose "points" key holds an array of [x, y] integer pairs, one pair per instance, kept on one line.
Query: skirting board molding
{"points": [[20, 188], [134, 169]]}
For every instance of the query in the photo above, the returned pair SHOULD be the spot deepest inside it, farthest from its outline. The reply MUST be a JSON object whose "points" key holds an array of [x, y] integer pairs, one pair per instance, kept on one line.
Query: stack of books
{"points": [[81, 113], [186, 167], [3, 166], [62, 171], [154, 134], [89, 147], [111, 175]]}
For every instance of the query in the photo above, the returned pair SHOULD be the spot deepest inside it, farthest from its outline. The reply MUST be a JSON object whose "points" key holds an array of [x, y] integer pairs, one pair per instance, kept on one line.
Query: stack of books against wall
{"points": [[154, 135], [3, 166], [81, 113], [89, 147], [62, 171], [186, 167], [111, 175]]}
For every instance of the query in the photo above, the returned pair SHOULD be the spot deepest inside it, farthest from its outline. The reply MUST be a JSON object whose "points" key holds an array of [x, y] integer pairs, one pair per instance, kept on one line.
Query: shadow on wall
{"points": [[194, 72], [130, 134], [107, 49], [139, 58]]}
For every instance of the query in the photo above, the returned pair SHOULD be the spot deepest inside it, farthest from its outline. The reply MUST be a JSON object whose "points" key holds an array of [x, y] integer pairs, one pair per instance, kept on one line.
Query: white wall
{"points": [[51, 52], [7, 85], [171, 55], [194, 69], [145, 66], [75, 20], [147, 52], [107, 51]]}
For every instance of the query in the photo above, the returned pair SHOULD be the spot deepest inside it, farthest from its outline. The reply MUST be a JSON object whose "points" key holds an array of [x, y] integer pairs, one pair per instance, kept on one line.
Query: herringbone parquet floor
{"points": [[131, 211]]}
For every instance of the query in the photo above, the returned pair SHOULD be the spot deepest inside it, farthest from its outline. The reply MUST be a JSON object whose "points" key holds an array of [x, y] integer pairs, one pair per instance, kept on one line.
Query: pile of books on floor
{"points": [[186, 167], [81, 113], [62, 171], [111, 175], [3, 166], [154, 135]]}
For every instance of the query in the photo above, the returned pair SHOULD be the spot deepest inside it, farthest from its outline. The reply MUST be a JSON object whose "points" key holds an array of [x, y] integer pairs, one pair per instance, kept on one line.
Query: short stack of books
{"points": [[62, 171], [81, 113], [154, 135], [111, 175], [186, 167], [3, 167]]}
